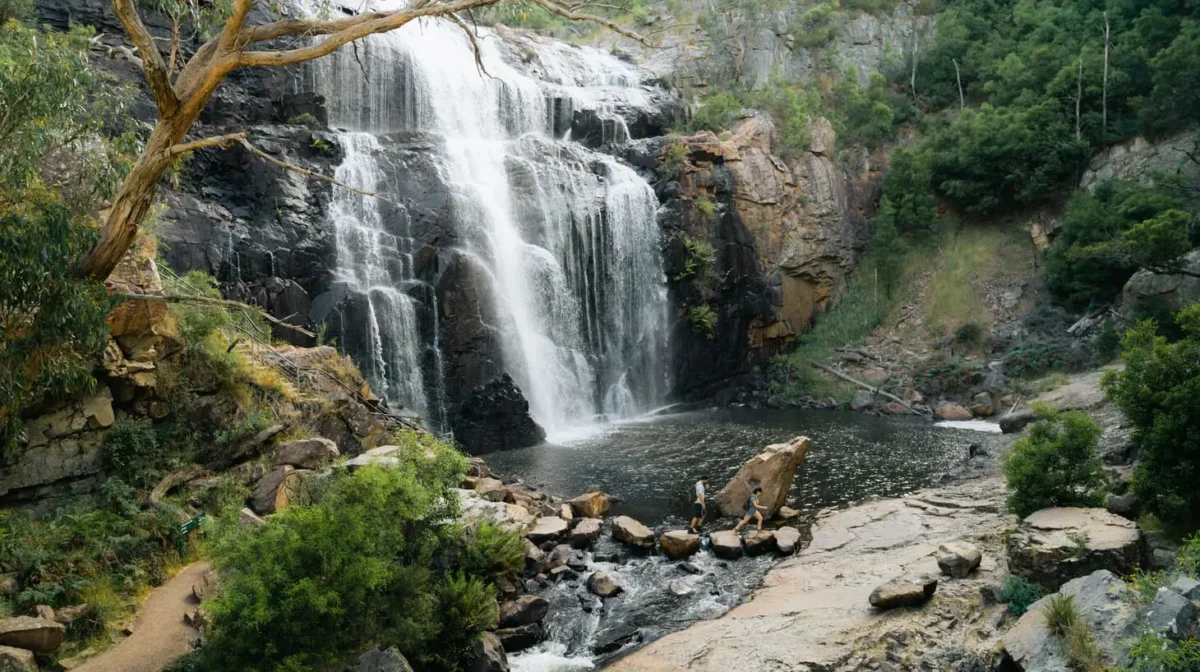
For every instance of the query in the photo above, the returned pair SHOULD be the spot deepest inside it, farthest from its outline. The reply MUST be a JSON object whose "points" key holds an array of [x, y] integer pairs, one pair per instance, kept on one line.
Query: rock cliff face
{"points": [[786, 233]]}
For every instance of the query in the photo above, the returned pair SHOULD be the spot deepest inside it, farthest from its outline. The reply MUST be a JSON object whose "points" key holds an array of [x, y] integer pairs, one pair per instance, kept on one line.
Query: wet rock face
{"points": [[496, 417], [1053, 546]]}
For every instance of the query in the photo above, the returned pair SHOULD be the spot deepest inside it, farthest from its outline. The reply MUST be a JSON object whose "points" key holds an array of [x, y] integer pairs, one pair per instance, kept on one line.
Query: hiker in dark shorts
{"points": [[698, 506], [753, 510]]}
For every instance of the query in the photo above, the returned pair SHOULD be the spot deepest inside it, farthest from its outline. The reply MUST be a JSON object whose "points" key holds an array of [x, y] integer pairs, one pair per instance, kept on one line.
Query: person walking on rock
{"points": [[753, 510], [698, 506]]}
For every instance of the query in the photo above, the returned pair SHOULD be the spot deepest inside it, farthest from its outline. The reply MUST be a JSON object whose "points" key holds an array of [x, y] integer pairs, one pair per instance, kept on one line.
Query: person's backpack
{"points": [[749, 503]]}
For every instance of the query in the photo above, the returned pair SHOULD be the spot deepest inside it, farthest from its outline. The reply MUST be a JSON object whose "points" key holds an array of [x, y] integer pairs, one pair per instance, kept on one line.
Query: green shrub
{"points": [[1020, 593], [493, 551], [703, 320], [368, 554], [700, 257], [1157, 391], [674, 159], [717, 112], [1151, 653], [131, 452], [1055, 464], [1061, 614], [970, 333]]}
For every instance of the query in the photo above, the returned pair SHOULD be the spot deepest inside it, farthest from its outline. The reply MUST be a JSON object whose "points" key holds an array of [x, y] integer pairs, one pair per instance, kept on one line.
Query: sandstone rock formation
{"points": [[276, 490], [787, 539], [957, 559], [35, 634], [678, 544], [951, 411], [585, 532], [903, 592], [757, 543], [1052, 546], [772, 470], [629, 531], [726, 544], [547, 528], [589, 505]]}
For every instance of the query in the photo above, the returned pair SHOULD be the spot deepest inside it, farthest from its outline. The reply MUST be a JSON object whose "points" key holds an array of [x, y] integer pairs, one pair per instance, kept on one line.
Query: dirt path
{"points": [[159, 635]]}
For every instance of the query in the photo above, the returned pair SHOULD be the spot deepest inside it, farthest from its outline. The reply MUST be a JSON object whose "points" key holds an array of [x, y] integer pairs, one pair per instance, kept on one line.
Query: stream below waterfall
{"points": [[650, 464]]}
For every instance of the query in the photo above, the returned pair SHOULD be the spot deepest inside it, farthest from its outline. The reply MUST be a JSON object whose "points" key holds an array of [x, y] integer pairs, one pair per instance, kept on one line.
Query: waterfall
{"points": [[568, 235]]}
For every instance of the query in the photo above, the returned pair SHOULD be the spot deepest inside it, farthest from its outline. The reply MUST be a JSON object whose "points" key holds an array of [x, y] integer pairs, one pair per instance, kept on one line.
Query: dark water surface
{"points": [[651, 464]]}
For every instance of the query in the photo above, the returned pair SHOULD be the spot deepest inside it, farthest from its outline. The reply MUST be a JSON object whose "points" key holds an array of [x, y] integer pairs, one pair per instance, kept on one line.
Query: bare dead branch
{"points": [[560, 9], [224, 303], [222, 141], [474, 45], [152, 61]]}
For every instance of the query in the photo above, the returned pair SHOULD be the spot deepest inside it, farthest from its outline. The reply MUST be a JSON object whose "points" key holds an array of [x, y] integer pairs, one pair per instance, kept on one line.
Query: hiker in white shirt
{"points": [[698, 506]]}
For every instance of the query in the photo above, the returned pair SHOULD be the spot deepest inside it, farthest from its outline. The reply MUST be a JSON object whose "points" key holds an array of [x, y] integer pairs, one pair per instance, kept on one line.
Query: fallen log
{"points": [[873, 390]]}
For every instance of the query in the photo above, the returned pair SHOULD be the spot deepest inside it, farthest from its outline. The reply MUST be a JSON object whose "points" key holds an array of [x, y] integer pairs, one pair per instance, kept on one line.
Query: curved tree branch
{"points": [[152, 60]]}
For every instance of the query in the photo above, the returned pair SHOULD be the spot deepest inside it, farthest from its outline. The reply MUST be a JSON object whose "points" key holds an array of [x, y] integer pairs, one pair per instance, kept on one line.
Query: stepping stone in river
{"points": [[762, 541], [547, 528], [726, 544], [786, 540], [631, 532], [678, 544], [585, 533], [602, 584]]}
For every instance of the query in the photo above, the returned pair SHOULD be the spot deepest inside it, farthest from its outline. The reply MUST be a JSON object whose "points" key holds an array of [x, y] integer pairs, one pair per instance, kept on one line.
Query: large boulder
{"points": [[862, 401], [772, 470], [35, 634], [957, 559], [17, 660], [726, 544], [678, 544], [786, 540], [1170, 614], [1053, 546], [523, 610], [489, 655], [585, 533], [903, 592], [307, 453], [590, 505], [950, 411], [495, 416], [275, 490], [629, 531], [604, 585], [1165, 292], [1015, 422], [386, 660], [1100, 597], [547, 528], [521, 637]]}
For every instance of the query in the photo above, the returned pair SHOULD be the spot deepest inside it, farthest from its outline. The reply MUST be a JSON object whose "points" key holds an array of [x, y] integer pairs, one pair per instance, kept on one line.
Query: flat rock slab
{"points": [[726, 544], [585, 533], [678, 544], [547, 528], [35, 634], [629, 531], [903, 592], [590, 505], [787, 539], [762, 541], [1053, 546]]}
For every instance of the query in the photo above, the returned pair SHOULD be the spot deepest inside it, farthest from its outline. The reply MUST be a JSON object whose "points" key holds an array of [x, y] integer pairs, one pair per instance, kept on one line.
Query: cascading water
{"points": [[568, 235]]}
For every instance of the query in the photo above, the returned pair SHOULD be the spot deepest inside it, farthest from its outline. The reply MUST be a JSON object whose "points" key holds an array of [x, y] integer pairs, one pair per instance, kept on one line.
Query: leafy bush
{"points": [[493, 551], [1151, 653], [703, 320], [792, 109], [1055, 464], [131, 452], [368, 554], [674, 158], [862, 117], [1157, 392], [909, 189], [970, 333], [949, 376], [1020, 593], [717, 112]]}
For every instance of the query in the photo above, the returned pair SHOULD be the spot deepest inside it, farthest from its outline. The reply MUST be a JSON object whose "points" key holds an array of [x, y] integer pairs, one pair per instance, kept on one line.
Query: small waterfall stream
{"points": [[568, 235]]}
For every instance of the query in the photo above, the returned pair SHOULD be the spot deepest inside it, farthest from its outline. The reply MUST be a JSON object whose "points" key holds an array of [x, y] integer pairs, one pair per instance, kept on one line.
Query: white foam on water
{"points": [[973, 425], [549, 657]]}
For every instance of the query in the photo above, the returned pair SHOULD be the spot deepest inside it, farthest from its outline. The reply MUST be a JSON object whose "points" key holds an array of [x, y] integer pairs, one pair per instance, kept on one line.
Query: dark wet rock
{"points": [[1187, 587], [1170, 614], [578, 561], [585, 532], [903, 592], [762, 541], [604, 585], [523, 610], [678, 544], [558, 556], [615, 638], [1127, 505], [521, 637], [1052, 546], [534, 556], [489, 655], [387, 660], [957, 559], [629, 531], [726, 544], [690, 568], [495, 417], [1015, 422]]}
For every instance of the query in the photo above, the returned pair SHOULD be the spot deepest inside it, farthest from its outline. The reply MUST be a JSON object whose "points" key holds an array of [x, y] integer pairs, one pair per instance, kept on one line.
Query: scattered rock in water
{"points": [[1015, 422], [629, 531], [787, 513], [1170, 614], [589, 505], [547, 528], [981, 406], [894, 408], [307, 453], [1187, 587], [863, 400], [585, 533], [603, 584], [1052, 546], [957, 559], [563, 573], [578, 561], [678, 544], [759, 542], [558, 556], [610, 556], [275, 491], [247, 518], [36, 634], [388, 660], [523, 610], [565, 512], [726, 544], [1100, 597], [690, 568], [489, 655], [787, 539], [679, 588], [903, 592], [534, 556], [950, 411], [590, 603], [615, 638], [773, 470], [521, 637], [13, 659]]}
